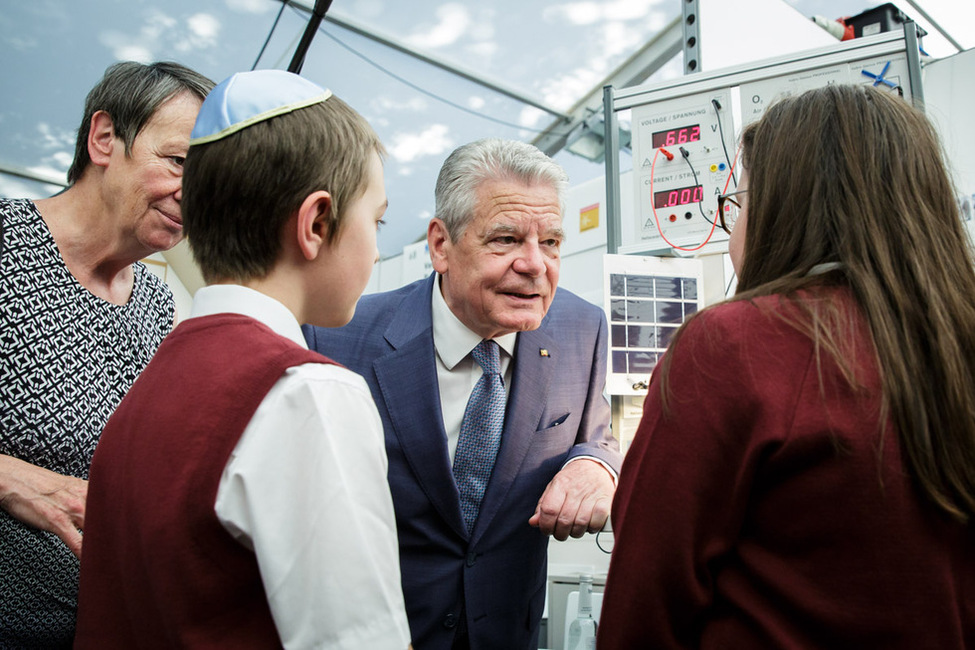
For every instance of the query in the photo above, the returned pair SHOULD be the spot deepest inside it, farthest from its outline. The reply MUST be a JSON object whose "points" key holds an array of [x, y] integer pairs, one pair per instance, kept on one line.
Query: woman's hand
{"points": [[44, 499]]}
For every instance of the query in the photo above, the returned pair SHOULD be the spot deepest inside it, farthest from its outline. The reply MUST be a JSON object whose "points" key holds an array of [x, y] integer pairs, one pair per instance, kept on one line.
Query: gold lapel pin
{"points": [[542, 352]]}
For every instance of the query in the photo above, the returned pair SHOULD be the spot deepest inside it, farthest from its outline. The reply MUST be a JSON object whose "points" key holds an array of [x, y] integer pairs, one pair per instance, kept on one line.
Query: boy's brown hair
{"points": [[238, 191]]}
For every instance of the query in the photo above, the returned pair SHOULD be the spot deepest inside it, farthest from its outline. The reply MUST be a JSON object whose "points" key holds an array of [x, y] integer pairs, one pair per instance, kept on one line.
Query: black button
{"points": [[450, 622], [471, 558]]}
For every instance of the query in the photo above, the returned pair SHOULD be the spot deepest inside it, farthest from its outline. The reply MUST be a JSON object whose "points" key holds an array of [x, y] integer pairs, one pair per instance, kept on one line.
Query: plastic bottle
{"points": [[582, 631]]}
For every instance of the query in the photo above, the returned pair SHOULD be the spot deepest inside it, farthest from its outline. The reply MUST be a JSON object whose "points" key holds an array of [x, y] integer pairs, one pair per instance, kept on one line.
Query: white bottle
{"points": [[582, 631]]}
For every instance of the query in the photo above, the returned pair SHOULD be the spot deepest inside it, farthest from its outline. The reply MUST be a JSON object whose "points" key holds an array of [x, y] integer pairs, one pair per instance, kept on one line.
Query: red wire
{"points": [[657, 219]]}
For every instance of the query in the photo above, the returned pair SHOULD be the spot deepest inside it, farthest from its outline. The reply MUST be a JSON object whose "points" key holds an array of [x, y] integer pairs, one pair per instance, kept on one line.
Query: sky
{"points": [[53, 51]]}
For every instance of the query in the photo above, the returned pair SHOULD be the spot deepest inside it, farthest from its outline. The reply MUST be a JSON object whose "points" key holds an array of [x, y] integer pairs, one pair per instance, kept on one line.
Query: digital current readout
{"points": [[678, 196], [673, 137]]}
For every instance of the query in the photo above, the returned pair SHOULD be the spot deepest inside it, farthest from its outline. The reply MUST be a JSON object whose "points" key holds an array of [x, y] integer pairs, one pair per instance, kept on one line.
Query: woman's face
{"points": [[736, 241]]}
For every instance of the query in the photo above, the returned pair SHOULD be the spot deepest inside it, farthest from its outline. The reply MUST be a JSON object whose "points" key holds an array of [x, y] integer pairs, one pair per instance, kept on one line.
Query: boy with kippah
{"points": [[238, 496]]}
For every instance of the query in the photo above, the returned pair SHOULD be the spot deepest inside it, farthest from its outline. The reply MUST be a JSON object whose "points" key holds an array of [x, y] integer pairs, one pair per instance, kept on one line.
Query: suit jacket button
{"points": [[471, 558], [450, 622]]}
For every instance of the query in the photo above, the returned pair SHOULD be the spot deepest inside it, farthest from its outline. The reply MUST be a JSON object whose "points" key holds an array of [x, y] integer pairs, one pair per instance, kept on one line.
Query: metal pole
{"points": [[914, 63], [692, 36], [37, 177], [298, 60], [611, 143], [936, 25]]}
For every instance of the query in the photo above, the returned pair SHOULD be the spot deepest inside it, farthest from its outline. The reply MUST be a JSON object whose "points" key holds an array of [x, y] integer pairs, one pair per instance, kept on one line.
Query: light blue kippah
{"points": [[247, 98]]}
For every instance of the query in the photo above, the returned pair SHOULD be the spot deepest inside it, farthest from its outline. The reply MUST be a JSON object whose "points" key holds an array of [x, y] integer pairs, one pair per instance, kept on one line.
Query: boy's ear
{"points": [[101, 138], [314, 223]]}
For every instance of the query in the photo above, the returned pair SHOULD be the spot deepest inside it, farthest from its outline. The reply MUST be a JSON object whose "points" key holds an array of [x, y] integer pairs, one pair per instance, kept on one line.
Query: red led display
{"points": [[678, 196], [676, 136]]}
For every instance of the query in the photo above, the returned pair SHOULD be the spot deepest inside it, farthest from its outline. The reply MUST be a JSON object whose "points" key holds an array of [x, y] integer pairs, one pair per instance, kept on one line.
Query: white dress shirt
{"points": [[457, 372], [305, 488]]}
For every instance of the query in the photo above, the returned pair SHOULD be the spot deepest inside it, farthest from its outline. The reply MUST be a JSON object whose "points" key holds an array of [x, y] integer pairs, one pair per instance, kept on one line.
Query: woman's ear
{"points": [[314, 223], [101, 138]]}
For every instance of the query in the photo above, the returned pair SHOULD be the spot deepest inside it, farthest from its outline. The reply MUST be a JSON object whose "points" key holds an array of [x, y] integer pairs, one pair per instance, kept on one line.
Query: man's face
{"points": [[501, 276], [143, 189]]}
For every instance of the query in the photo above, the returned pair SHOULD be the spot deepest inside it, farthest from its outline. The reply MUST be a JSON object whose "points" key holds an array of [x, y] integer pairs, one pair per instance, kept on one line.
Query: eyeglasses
{"points": [[728, 209]]}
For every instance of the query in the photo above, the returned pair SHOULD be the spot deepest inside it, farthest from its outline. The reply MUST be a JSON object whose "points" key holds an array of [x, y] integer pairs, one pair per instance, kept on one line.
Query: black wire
{"points": [[600, 546], [685, 156], [727, 158], [433, 95], [268, 39]]}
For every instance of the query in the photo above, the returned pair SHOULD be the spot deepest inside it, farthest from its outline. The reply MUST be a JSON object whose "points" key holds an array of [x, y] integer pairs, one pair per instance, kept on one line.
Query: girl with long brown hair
{"points": [[804, 474]]}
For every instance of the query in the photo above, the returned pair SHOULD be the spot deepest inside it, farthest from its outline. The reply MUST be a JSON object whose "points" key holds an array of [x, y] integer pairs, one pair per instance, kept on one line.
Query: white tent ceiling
{"points": [[428, 74]]}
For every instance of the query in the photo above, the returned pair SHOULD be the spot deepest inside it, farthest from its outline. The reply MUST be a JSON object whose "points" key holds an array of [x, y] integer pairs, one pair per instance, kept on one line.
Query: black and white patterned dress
{"points": [[67, 358]]}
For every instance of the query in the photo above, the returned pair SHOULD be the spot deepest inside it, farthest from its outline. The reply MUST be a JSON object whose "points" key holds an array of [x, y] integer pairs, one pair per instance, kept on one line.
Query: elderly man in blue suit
{"points": [[473, 511]]}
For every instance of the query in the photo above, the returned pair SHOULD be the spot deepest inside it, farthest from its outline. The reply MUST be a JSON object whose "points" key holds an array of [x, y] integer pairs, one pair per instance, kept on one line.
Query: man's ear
{"points": [[314, 223], [438, 241], [101, 138]]}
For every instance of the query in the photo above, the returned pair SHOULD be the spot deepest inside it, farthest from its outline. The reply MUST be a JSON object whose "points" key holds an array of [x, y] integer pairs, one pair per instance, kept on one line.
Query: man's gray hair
{"points": [[472, 164], [131, 93]]}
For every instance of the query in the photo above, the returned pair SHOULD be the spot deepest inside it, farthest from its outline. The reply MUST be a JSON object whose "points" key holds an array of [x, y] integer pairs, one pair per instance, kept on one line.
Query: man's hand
{"points": [[44, 499], [577, 501]]}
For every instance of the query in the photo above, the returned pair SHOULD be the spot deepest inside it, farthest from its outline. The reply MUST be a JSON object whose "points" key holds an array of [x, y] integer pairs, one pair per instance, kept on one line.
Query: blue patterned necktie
{"points": [[480, 432]]}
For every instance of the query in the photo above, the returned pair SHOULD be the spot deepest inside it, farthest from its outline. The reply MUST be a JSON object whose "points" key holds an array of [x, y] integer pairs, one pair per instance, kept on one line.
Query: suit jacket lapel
{"points": [[530, 383], [407, 379]]}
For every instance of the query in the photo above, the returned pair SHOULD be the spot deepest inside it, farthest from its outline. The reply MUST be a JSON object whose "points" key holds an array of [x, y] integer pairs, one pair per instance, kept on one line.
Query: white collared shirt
{"points": [[305, 488], [457, 372]]}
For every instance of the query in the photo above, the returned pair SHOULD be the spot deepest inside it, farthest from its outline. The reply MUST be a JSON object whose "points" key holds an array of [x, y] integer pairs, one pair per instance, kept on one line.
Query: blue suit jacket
{"points": [[556, 410]]}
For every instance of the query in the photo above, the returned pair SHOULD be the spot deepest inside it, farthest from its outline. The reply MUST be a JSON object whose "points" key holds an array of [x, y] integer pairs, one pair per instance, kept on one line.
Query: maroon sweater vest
{"points": [[158, 569]]}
